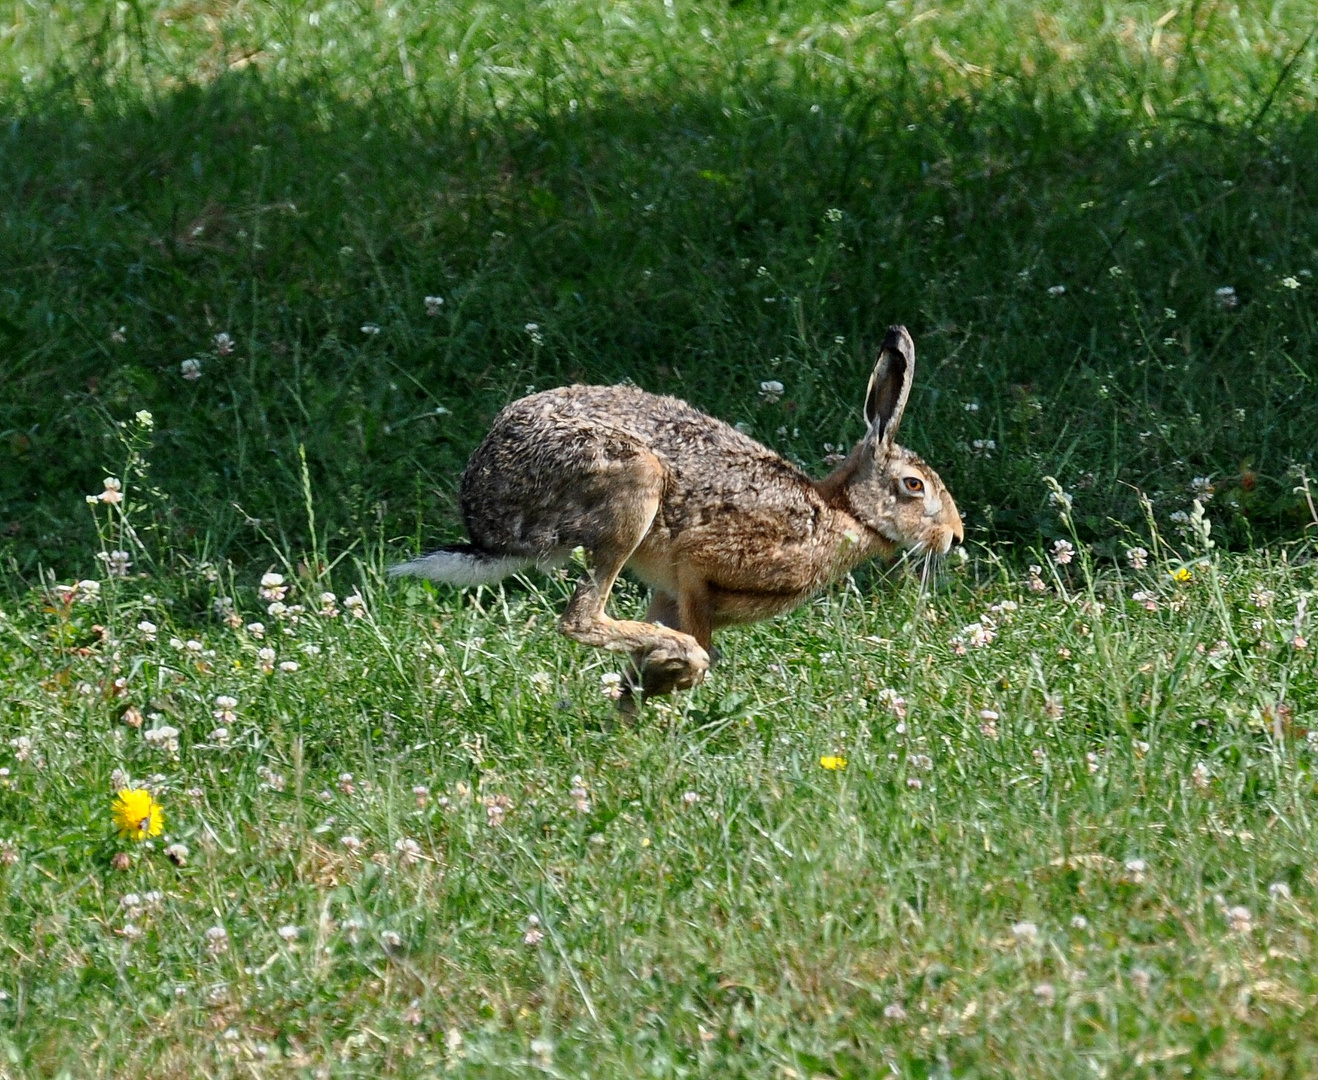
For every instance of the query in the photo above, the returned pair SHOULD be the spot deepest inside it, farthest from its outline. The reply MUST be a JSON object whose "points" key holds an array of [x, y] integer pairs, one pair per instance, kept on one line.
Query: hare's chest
{"points": [[780, 550]]}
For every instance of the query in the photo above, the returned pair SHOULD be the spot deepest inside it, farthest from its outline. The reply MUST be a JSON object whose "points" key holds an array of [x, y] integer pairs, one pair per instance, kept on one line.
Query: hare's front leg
{"points": [[691, 614], [677, 659]]}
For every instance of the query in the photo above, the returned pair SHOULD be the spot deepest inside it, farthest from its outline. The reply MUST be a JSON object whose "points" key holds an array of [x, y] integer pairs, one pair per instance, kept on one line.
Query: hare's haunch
{"points": [[721, 528]]}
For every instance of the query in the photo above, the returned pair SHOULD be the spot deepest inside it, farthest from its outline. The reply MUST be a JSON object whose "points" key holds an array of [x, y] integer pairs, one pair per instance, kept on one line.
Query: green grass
{"points": [[698, 198], [1147, 772]]}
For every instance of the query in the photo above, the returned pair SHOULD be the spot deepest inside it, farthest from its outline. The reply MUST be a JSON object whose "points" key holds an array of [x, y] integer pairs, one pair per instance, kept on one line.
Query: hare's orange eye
{"points": [[913, 484]]}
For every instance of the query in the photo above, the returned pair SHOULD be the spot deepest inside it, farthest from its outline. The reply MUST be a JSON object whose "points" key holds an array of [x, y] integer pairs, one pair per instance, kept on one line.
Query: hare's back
{"points": [[549, 473], [544, 476]]}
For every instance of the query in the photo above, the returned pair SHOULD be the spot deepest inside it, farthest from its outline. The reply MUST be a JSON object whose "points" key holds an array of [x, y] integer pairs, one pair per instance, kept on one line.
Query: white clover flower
{"points": [[148, 629], [771, 390], [1279, 890], [1079, 922], [391, 939], [690, 798], [164, 738], [272, 587], [1063, 552], [1025, 933], [288, 933], [1226, 297], [408, 851], [256, 629], [190, 369], [352, 843], [496, 809], [971, 406], [223, 343], [217, 939], [220, 736], [370, 329], [977, 635], [893, 701], [117, 563], [1240, 919], [611, 685], [1056, 290], [177, 854], [86, 592], [1291, 282], [1137, 557], [537, 339], [433, 305], [580, 795], [894, 1011], [288, 666]]}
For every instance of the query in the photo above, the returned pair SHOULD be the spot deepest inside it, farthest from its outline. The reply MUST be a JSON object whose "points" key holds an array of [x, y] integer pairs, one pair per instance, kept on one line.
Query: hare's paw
{"points": [[676, 663]]}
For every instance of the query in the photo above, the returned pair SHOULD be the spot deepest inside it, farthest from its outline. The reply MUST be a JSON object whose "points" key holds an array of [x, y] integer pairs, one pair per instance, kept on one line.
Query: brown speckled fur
{"points": [[722, 529]]}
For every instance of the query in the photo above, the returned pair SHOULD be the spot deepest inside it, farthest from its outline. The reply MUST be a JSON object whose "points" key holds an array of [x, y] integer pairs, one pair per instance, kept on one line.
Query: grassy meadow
{"points": [[267, 270]]}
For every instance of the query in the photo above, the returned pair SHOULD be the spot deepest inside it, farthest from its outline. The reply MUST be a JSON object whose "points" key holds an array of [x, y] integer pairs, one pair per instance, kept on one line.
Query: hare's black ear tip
{"points": [[899, 340]]}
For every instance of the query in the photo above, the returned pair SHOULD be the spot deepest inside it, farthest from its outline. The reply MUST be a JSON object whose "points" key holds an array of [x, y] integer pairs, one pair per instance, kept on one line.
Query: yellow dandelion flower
{"points": [[833, 762], [1182, 574], [137, 815]]}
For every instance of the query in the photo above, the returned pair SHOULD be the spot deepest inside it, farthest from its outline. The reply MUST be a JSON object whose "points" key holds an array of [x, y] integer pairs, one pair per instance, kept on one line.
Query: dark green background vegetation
{"points": [[650, 186]]}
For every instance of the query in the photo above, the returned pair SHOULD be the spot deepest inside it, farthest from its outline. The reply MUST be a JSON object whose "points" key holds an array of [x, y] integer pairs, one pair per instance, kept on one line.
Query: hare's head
{"points": [[891, 490]]}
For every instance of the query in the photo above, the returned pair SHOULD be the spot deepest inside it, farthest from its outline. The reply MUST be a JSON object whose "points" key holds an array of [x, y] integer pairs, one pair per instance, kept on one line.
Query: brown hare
{"points": [[721, 528]]}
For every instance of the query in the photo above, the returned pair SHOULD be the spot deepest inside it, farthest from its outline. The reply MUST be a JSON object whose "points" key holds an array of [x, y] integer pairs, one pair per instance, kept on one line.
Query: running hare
{"points": [[722, 529]]}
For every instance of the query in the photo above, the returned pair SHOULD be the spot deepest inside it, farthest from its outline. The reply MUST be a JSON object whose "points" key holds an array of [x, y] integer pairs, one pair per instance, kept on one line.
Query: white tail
{"points": [[462, 567]]}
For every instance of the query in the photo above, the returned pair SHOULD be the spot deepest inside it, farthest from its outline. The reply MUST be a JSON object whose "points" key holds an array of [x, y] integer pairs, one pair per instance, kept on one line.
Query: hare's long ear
{"points": [[890, 386]]}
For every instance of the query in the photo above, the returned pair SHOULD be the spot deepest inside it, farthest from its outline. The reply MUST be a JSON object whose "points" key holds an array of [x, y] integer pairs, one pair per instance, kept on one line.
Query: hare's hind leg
{"points": [[676, 658]]}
